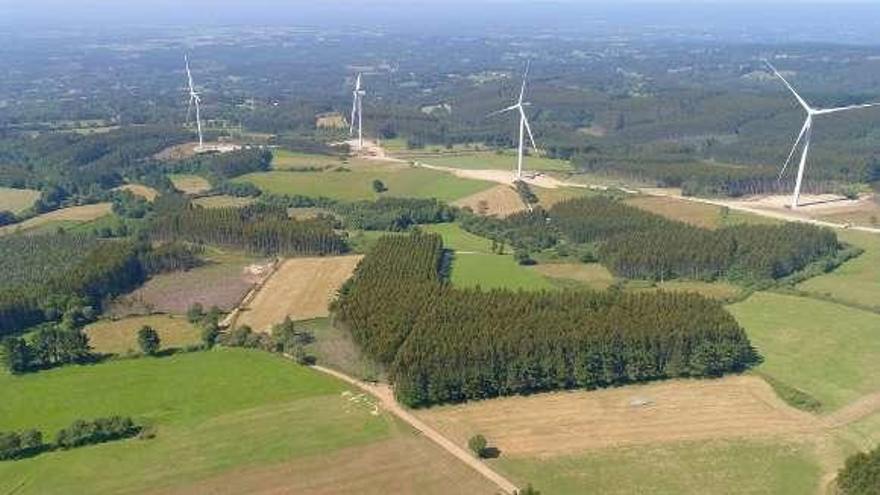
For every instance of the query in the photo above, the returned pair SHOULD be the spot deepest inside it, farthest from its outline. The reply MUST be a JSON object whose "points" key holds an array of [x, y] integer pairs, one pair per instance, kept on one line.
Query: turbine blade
{"points": [[522, 89], [503, 110], [826, 111], [528, 129], [790, 88], [353, 110], [189, 109], [794, 148]]}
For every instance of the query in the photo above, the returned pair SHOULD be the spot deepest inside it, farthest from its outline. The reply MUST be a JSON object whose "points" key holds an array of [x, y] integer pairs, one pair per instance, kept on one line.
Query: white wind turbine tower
{"points": [[807, 133], [194, 99], [357, 109], [523, 124]]}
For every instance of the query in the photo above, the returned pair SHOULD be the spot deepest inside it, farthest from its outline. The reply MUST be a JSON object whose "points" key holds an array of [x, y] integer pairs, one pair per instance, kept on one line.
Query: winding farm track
{"points": [[386, 397]]}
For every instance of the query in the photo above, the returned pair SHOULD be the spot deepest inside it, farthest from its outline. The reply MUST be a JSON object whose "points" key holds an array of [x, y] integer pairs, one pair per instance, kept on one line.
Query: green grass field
{"points": [[475, 265], [17, 200], [828, 350], [286, 159], [492, 160], [401, 181], [697, 468], [856, 281], [214, 411]]}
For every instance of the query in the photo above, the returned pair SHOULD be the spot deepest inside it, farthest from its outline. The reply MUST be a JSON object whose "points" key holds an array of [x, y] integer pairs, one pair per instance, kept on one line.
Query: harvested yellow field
{"points": [[698, 214], [671, 411], [120, 336], [190, 184], [141, 190], [594, 275], [500, 201], [549, 197], [17, 200], [222, 201], [76, 214], [301, 288]]}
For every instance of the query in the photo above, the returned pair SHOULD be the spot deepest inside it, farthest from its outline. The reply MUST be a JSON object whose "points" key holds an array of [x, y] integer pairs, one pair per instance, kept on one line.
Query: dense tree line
{"points": [[18, 445], [220, 166], [50, 346], [393, 214], [445, 344], [639, 244], [172, 257], [57, 276], [634, 243], [861, 474], [260, 229]]}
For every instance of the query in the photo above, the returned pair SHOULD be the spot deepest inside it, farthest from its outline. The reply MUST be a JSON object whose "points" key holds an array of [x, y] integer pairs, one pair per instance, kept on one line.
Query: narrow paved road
{"points": [[386, 397]]}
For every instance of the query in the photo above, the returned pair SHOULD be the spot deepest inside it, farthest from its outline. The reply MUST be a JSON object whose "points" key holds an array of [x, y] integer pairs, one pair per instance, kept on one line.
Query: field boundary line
{"points": [[230, 319], [386, 397]]}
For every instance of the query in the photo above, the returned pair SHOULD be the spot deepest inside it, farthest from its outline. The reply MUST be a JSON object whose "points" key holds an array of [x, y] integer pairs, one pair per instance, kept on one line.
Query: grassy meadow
{"points": [[285, 159], [216, 410], [357, 183], [692, 468], [858, 280], [830, 351]]}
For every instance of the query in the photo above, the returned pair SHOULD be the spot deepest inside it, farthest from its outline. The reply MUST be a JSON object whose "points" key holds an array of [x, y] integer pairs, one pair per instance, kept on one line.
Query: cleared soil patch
{"points": [[301, 288], [75, 214], [701, 215], [222, 283], [714, 290], [190, 184], [17, 200], [141, 190], [403, 465], [187, 150], [500, 201], [594, 275], [223, 201], [549, 197], [673, 411], [120, 336]]}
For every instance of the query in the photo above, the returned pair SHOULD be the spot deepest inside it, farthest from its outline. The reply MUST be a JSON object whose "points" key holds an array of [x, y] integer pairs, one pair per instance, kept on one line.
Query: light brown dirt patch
{"points": [[120, 336], [500, 201], [671, 411], [593, 274], [85, 213], [301, 288]]}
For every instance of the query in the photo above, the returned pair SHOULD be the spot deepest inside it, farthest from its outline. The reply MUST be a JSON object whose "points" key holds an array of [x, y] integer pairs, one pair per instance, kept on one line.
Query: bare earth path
{"points": [[386, 396]]}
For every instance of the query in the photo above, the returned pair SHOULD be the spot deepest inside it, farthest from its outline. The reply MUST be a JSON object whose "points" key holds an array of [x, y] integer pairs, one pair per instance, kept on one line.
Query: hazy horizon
{"points": [[791, 20]]}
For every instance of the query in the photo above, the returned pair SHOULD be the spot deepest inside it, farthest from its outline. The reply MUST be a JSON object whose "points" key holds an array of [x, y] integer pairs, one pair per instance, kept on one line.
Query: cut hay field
{"points": [[731, 435], [286, 159], [17, 200], [401, 181], [222, 282], [300, 288], [829, 351], [492, 160], [699, 214], [592, 275], [227, 421], [223, 201], [501, 201], [189, 184], [549, 197], [120, 336], [858, 280], [62, 218], [141, 190], [564, 423]]}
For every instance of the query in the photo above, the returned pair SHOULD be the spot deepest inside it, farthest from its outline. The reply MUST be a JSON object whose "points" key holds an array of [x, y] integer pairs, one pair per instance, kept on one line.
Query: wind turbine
{"points": [[523, 123], [357, 108], [194, 99], [807, 133]]}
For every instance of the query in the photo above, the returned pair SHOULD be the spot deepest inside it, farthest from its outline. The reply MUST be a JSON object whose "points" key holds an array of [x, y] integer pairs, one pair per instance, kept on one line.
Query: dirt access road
{"points": [[386, 397]]}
